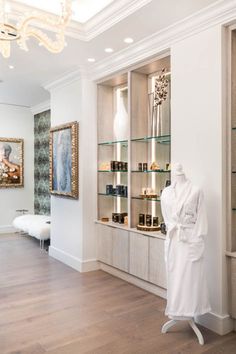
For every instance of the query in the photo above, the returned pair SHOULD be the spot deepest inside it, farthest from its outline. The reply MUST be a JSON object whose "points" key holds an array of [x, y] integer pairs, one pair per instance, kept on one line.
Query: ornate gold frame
{"points": [[74, 126], [21, 184]]}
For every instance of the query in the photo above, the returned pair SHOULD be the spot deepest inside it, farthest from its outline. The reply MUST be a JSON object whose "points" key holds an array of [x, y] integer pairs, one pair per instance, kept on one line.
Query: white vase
{"points": [[121, 119]]}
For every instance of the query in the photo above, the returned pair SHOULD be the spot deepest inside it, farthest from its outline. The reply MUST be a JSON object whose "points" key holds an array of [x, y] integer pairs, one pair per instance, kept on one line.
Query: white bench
{"points": [[37, 226]]}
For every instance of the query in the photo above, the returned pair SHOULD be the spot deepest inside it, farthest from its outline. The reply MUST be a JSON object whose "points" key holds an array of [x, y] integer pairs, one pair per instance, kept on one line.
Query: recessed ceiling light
{"points": [[109, 50], [10, 66], [128, 40], [91, 60]]}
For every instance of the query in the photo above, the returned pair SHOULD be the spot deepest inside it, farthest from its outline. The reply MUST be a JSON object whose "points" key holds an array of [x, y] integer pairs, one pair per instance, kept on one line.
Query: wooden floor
{"points": [[47, 307]]}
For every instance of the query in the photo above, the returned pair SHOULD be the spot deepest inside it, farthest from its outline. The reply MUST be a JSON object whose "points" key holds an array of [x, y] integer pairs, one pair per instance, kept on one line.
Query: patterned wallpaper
{"points": [[42, 124]]}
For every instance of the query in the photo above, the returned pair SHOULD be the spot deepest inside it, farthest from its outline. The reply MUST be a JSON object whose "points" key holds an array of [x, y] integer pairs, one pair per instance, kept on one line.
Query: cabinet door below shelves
{"points": [[157, 268], [121, 249], [139, 255], [105, 244]]}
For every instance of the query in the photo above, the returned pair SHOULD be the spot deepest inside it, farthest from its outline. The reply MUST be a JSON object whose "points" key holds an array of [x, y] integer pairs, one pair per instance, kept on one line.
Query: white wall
{"points": [[197, 140], [72, 236], [17, 122]]}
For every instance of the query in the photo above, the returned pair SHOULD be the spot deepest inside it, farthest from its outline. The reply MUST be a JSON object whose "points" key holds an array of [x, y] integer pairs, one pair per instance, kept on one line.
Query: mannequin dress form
{"points": [[185, 218]]}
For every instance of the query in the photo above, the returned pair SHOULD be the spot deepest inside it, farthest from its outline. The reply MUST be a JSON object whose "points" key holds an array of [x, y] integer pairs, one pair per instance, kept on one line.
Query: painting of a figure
{"points": [[64, 160], [11, 163]]}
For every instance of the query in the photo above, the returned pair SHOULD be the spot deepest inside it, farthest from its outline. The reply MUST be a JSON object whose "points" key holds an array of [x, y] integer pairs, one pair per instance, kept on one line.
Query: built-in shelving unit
{"points": [[112, 196], [147, 199], [150, 171], [111, 171], [123, 143], [159, 139], [125, 136]]}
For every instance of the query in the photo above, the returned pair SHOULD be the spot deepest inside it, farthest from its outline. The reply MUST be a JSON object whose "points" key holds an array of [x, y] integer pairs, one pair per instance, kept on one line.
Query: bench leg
{"points": [[41, 243]]}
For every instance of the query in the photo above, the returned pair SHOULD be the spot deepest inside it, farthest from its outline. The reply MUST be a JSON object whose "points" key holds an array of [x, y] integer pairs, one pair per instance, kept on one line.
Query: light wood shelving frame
{"points": [[137, 148], [135, 256]]}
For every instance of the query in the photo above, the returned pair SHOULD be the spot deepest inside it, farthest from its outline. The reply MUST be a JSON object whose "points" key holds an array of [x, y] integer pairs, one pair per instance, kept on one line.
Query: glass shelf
{"points": [[233, 171], [233, 209], [111, 143], [150, 171], [234, 128], [147, 199], [163, 139], [110, 171], [110, 195]]}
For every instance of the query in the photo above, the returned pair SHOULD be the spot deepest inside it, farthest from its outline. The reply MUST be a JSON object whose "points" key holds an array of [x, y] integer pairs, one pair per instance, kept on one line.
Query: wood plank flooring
{"points": [[47, 307]]}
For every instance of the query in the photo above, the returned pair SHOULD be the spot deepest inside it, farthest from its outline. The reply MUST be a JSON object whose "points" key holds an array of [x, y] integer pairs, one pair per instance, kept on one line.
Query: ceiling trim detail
{"points": [[41, 107], [222, 12], [111, 15], [14, 105], [105, 19], [64, 80]]}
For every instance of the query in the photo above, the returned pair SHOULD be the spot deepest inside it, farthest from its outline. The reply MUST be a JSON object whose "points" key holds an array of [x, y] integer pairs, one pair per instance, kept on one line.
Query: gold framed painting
{"points": [[64, 157], [11, 163]]}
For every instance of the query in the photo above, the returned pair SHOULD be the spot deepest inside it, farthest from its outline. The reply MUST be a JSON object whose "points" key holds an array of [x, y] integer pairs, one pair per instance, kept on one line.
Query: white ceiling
{"points": [[23, 84], [83, 10]]}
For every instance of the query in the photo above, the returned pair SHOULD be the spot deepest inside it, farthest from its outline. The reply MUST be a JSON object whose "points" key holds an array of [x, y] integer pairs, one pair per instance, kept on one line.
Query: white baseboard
{"points": [[154, 289], [89, 265], [216, 323], [72, 261], [7, 229]]}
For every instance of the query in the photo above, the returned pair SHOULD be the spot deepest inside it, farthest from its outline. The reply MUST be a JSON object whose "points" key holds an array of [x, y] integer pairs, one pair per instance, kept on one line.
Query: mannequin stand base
{"points": [[192, 324]]}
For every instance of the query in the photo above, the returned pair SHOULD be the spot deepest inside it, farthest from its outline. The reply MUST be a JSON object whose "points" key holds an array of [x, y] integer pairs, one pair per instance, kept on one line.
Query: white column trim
{"points": [[216, 323], [76, 263]]}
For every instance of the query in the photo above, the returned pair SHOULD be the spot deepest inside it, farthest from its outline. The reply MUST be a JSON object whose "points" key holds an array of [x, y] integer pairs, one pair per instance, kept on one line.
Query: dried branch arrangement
{"points": [[161, 88]]}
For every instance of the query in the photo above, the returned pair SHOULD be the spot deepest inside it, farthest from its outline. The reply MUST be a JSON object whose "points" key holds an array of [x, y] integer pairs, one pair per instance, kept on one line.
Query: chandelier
{"points": [[33, 25]]}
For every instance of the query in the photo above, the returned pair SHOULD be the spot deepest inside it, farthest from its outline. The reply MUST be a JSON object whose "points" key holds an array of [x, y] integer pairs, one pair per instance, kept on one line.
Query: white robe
{"points": [[186, 221]]}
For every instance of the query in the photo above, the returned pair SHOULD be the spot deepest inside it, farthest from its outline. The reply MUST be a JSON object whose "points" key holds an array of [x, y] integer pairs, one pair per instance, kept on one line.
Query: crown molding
{"points": [[222, 12], [41, 107], [105, 19], [64, 80], [111, 15], [14, 105]]}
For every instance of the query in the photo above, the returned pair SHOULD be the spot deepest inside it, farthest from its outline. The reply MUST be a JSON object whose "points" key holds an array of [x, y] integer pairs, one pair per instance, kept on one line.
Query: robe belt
{"points": [[179, 227]]}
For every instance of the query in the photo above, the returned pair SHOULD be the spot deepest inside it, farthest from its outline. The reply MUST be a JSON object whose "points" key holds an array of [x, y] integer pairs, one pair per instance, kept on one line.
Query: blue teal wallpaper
{"points": [[42, 124]]}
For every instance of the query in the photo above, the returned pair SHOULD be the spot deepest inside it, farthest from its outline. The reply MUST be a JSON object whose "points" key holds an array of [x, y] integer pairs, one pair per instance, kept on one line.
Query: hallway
{"points": [[47, 307]]}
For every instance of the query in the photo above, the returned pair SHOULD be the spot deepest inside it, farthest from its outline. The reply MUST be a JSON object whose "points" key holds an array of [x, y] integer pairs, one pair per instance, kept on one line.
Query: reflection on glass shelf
{"points": [[157, 199], [234, 209], [233, 171], [234, 128], [151, 171], [110, 143], [164, 139], [110, 195], [111, 171]]}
